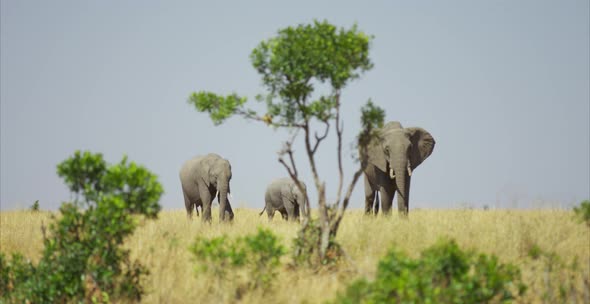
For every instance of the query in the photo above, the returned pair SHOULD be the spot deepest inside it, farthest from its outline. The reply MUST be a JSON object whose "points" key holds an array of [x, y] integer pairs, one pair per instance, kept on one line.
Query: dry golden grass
{"points": [[162, 245]]}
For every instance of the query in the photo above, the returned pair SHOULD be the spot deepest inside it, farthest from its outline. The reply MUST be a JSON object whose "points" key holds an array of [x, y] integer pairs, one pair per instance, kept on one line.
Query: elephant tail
{"points": [[261, 212]]}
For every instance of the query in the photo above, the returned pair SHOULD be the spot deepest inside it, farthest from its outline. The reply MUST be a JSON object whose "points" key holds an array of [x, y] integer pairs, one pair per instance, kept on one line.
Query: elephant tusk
{"points": [[409, 171], [391, 174], [229, 196]]}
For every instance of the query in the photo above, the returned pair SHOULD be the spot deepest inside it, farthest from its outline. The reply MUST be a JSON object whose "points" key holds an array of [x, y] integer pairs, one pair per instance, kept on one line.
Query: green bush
{"points": [[443, 274], [246, 263], [35, 206], [83, 258], [583, 212]]}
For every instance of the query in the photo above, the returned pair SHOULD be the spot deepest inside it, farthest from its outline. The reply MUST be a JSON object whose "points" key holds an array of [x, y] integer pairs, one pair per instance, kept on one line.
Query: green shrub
{"points": [[83, 259], [35, 206], [443, 274], [246, 263], [583, 212]]}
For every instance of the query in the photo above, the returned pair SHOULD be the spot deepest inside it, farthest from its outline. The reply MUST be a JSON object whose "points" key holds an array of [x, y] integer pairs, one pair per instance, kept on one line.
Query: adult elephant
{"points": [[389, 162], [284, 196], [201, 178]]}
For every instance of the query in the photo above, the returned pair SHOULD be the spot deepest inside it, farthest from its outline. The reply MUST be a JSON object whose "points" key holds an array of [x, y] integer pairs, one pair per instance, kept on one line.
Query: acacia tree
{"points": [[290, 64]]}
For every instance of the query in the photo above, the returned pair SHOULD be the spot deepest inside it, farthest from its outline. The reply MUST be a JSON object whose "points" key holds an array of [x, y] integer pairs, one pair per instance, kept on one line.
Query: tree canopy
{"points": [[289, 64]]}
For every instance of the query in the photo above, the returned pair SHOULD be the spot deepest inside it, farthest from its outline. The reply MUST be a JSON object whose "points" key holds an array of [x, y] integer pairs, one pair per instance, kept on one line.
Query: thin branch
{"points": [[311, 159], [320, 138], [289, 170], [268, 121], [355, 178], [339, 130]]}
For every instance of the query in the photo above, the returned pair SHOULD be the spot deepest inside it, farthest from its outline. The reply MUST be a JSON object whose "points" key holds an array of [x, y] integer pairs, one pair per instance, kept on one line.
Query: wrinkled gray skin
{"points": [[282, 195], [201, 178], [390, 161]]}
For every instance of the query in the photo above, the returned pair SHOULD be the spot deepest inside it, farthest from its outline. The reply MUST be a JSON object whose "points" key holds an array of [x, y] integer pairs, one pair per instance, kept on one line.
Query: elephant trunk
{"points": [[402, 181], [303, 208], [223, 188]]}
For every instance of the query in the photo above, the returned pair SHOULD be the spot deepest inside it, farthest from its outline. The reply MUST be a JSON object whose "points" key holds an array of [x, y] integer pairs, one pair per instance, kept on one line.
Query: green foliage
{"points": [[219, 108], [83, 173], [320, 50], [35, 207], [13, 272], [83, 259], [372, 118], [289, 64], [583, 212], [246, 263], [443, 274], [136, 185]]}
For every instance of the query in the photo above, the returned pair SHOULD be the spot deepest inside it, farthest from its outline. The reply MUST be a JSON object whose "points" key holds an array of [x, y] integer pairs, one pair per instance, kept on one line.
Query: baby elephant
{"points": [[283, 195]]}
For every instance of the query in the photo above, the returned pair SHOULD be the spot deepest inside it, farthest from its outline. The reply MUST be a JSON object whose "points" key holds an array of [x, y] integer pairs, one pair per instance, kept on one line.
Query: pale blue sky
{"points": [[503, 86]]}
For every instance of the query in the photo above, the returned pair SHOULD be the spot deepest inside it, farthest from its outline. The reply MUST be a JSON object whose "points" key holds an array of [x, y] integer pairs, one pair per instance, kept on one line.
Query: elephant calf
{"points": [[284, 196], [202, 178]]}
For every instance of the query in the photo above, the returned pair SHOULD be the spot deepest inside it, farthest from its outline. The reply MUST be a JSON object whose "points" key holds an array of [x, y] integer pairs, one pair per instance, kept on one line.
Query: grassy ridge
{"points": [[162, 246]]}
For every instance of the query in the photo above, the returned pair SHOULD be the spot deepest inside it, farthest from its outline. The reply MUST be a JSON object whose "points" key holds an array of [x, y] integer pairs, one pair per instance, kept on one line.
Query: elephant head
{"points": [[398, 152], [218, 177], [299, 197]]}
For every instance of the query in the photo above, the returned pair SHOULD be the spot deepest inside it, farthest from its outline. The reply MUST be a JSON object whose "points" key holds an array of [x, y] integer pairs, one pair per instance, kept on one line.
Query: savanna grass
{"points": [[162, 246]]}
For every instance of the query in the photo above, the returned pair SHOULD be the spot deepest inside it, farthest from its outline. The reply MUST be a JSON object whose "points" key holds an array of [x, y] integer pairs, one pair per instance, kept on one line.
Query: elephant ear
{"points": [[375, 154], [422, 145]]}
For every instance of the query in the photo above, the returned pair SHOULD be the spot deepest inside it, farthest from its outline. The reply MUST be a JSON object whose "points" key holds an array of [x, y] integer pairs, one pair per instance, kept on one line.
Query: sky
{"points": [[503, 86]]}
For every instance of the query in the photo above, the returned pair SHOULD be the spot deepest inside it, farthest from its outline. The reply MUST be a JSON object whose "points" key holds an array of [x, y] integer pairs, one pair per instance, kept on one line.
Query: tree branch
{"points": [[355, 178], [339, 130], [267, 120], [320, 138], [293, 170], [323, 212]]}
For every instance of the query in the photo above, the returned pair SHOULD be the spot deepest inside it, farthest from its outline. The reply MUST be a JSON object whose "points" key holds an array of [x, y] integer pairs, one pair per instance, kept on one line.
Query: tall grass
{"points": [[162, 246]]}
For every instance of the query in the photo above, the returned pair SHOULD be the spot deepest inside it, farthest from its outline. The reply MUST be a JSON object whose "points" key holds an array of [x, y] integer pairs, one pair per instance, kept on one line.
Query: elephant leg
{"points": [[387, 194], [284, 215], [189, 206], [270, 212], [297, 212], [206, 199], [290, 209], [369, 196]]}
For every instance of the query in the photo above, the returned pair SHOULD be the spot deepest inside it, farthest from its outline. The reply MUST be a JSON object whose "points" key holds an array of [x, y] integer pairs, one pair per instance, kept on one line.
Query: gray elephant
{"points": [[284, 196], [202, 177], [389, 162]]}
